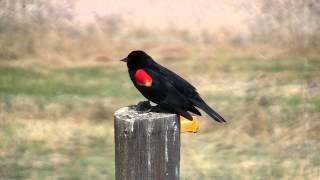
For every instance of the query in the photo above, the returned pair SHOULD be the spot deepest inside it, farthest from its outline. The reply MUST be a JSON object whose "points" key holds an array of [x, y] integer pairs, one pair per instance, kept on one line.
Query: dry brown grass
{"points": [[271, 104], [60, 82]]}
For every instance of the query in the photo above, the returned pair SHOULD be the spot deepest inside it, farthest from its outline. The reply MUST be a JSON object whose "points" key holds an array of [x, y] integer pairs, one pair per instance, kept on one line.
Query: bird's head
{"points": [[137, 59]]}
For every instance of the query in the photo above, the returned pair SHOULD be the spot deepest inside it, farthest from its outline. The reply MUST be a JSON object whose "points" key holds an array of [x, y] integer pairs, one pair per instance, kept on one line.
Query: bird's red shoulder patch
{"points": [[142, 78]]}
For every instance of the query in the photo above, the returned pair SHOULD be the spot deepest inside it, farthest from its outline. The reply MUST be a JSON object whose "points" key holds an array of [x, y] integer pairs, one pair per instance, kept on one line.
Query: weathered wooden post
{"points": [[147, 145]]}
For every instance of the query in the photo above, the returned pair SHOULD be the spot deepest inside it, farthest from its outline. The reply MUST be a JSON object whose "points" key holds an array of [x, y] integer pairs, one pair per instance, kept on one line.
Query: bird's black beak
{"points": [[124, 60]]}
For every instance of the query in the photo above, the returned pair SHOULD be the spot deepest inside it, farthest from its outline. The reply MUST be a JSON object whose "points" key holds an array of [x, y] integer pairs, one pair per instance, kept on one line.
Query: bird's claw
{"points": [[144, 106]]}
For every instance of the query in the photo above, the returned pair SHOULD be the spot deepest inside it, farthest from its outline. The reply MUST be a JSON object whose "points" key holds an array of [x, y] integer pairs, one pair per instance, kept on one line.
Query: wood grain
{"points": [[147, 145]]}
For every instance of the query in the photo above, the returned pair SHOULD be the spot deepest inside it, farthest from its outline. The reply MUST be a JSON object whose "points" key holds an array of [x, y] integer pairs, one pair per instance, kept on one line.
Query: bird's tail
{"points": [[202, 105]]}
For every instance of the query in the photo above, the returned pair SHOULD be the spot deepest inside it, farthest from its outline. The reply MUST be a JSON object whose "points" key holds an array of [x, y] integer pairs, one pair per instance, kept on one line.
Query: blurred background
{"points": [[255, 62]]}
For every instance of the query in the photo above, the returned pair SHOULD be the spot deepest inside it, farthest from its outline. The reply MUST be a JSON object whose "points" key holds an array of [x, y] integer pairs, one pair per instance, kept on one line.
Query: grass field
{"points": [[56, 122]]}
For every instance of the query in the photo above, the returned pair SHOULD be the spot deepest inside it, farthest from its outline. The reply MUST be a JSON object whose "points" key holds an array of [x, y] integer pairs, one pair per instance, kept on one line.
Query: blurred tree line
{"points": [[48, 29], [25, 24], [289, 24], [31, 28]]}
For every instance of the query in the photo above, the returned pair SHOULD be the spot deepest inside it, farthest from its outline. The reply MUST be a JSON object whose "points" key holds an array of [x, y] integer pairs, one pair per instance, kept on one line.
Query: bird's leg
{"points": [[156, 108], [186, 124], [159, 109], [144, 106]]}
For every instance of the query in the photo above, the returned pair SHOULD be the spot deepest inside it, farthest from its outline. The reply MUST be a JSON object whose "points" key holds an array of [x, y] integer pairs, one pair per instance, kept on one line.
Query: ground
{"points": [[57, 121]]}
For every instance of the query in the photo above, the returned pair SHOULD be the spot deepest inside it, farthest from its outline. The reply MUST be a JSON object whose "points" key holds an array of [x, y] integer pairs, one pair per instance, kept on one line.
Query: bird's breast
{"points": [[142, 78]]}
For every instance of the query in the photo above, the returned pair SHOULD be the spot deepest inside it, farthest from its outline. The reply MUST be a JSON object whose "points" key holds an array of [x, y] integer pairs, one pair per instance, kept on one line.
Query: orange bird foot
{"points": [[189, 126]]}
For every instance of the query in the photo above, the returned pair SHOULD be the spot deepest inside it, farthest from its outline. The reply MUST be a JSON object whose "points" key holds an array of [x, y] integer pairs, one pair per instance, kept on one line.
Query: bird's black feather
{"points": [[168, 90], [194, 110]]}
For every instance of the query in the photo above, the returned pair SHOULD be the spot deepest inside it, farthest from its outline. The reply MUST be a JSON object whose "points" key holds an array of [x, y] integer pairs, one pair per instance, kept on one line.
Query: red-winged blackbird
{"points": [[165, 88]]}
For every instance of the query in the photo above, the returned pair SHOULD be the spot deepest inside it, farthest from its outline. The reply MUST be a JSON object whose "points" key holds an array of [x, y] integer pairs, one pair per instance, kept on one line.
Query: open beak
{"points": [[124, 60]]}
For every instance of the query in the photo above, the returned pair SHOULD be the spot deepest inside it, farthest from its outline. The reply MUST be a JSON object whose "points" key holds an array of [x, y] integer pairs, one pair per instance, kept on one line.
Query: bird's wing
{"points": [[165, 94], [189, 91], [178, 82]]}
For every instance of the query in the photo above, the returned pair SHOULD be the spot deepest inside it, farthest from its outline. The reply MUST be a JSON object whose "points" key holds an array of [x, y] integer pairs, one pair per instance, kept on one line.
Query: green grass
{"points": [[81, 155], [113, 80], [252, 160], [82, 81], [87, 151], [272, 65], [56, 122]]}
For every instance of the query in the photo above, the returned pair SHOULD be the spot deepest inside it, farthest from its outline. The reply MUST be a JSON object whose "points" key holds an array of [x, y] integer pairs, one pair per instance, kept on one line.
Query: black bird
{"points": [[165, 88]]}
